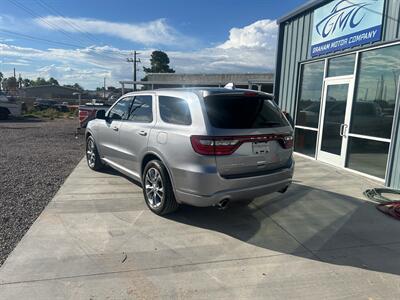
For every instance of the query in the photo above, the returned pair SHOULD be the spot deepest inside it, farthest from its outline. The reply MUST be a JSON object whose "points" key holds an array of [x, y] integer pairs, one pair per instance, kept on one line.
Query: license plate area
{"points": [[260, 148]]}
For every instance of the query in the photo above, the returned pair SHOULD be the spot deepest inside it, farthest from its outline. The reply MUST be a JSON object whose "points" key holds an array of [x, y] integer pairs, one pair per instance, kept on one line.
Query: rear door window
{"points": [[174, 110], [243, 112]]}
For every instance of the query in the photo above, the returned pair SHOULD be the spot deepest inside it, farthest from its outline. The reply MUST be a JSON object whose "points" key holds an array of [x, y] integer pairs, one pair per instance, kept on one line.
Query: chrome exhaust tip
{"points": [[223, 204], [283, 190]]}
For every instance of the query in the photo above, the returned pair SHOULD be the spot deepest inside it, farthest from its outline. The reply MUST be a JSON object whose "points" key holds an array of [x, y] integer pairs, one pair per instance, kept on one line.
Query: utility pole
{"points": [[135, 61], [104, 92]]}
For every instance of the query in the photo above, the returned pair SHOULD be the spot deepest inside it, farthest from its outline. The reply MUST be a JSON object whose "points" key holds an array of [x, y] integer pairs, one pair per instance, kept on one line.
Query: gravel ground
{"points": [[35, 159]]}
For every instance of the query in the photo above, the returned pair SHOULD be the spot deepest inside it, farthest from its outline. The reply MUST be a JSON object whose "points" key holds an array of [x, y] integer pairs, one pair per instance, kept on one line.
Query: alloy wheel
{"points": [[154, 188], [91, 153]]}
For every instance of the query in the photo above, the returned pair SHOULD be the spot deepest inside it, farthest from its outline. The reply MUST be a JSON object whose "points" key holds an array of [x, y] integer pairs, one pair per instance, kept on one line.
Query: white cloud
{"points": [[156, 32], [248, 49], [262, 34], [6, 40]]}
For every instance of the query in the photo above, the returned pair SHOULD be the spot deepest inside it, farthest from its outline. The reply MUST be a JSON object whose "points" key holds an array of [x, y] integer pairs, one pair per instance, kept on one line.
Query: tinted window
{"points": [[305, 141], [342, 65], [174, 110], [375, 92], [121, 109], [240, 112], [308, 106], [368, 156], [142, 110]]}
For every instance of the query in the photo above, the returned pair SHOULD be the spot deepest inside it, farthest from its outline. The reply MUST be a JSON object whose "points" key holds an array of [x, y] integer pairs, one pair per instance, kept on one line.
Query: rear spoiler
{"points": [[238, 92]]}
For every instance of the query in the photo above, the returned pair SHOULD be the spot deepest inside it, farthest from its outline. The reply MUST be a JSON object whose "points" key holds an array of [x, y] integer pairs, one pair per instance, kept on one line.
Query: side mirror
{"points": [[101, 114], [289, 118]]}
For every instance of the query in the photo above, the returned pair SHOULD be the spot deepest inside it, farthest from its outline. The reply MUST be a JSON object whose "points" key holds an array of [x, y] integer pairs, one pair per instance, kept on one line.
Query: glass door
{"points": [[335, 119]]}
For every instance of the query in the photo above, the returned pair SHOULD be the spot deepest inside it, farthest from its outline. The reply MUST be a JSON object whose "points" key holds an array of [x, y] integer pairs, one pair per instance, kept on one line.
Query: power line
{"points": [[29, 37], [72, 25], [26, 36], [35, 15], [29, 11], [88, 35], [57, 28]]}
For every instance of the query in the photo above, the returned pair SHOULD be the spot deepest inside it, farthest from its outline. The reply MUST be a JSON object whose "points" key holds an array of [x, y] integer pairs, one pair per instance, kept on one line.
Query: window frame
{"points": [[115, 104], [152, 109]]}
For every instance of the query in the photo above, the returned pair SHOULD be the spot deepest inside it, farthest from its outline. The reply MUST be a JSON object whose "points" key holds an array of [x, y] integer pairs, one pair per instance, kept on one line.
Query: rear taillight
{"points": [[208, 145], [287, 141], [83, 114], [226, 145]]}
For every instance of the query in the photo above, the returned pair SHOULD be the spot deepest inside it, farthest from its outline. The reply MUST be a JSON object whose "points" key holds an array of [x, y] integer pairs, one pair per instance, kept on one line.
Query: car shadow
{"points": [[327, 226], [108, 170]]}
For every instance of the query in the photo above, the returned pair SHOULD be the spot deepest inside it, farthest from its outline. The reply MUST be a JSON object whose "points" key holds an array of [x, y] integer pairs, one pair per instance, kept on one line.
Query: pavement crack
{"points": [[145, 269]]}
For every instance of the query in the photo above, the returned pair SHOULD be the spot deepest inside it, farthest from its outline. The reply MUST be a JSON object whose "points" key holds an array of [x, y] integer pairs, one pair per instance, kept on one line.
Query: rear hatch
{"points": [[250, 134]]}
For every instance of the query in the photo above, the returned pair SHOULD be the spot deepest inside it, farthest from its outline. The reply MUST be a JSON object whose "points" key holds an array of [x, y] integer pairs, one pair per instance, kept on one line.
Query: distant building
{"points": [[256, 81], [48, 92]]}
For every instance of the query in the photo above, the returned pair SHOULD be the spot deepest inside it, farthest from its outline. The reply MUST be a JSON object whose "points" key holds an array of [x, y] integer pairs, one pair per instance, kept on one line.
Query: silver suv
{"points": [[203, 146]]}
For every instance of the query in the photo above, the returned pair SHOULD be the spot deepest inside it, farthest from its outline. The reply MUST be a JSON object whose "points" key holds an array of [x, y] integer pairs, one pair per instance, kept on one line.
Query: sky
{"points": [[85, 41]]}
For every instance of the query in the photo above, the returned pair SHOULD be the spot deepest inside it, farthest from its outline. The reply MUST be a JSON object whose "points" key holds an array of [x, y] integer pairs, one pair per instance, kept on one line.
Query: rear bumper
{"points": [[209, 189]]}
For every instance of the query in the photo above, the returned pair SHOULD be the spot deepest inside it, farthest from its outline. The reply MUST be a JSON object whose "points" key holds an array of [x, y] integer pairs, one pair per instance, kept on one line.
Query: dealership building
{"points": [[337, 74]]}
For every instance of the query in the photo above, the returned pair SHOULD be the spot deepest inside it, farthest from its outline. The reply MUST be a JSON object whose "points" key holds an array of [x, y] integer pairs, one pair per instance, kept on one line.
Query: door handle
{"points": [[142, 133], [115, 128], [343, 129]]}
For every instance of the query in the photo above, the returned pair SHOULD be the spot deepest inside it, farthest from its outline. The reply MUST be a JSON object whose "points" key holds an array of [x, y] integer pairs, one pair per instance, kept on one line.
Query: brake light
{"points": [[226, 145], [287, 141], [83, 114], [207, 145]]}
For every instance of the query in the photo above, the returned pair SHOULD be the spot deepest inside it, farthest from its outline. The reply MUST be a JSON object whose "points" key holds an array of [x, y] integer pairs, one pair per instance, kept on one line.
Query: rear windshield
{"points": [[241, 112]]}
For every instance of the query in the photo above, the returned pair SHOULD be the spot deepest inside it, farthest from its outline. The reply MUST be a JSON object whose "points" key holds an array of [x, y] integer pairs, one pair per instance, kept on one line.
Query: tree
{"points": [[53, 81], [159, 62], [74, 86], [26, 82], [78, 87], [1, 79], [39, 81], [112, 89], [9, 84]]}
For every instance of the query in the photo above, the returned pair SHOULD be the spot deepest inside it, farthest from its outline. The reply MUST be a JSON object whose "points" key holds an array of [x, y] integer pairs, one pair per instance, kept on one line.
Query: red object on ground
{"points": [[390, 208]]}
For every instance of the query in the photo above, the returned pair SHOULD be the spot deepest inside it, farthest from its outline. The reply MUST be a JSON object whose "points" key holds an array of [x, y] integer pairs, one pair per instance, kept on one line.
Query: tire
{"points": [[157, 189], [92, 155]]}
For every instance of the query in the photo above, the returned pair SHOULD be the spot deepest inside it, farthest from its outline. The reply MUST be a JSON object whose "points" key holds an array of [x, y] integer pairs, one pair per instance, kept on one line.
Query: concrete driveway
{"points": [[98, 240]]}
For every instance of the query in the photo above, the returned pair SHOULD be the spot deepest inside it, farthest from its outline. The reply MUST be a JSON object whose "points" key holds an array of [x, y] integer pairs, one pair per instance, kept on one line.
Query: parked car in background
{"points": [[201, 147], [9, 107], [87, 112], [42, 104], [62, 107]]}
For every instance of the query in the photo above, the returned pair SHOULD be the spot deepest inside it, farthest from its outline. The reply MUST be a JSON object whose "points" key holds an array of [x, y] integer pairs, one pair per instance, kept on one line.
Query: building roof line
{"points": [[212, 74], [255, 81], [49, 85], [303, 8]]}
